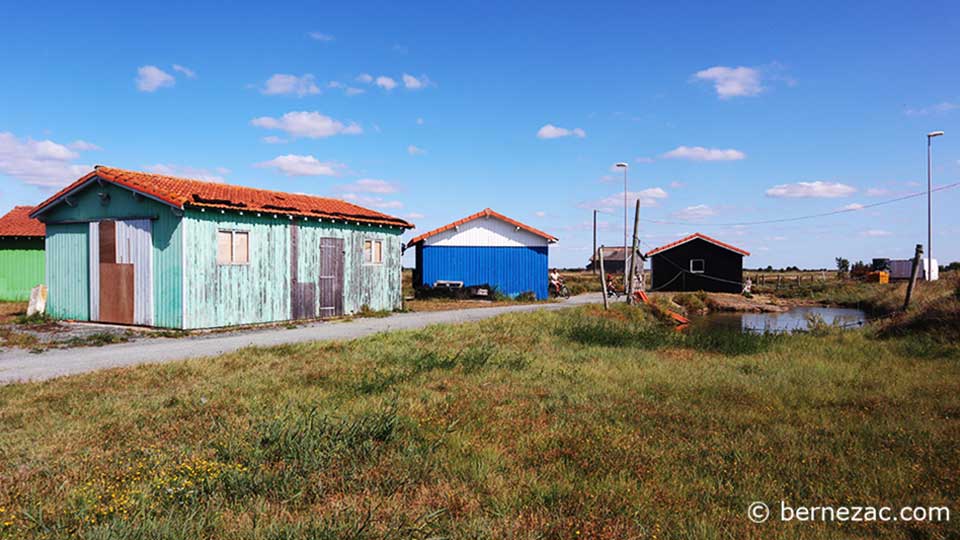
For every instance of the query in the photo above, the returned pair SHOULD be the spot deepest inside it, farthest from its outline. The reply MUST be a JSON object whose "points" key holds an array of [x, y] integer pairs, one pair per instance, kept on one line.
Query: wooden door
{"points": [[303, 295], [116, 280], [330, 284]]}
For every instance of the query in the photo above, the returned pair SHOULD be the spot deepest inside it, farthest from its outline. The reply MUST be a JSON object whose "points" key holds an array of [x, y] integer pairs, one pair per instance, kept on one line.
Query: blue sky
{"points": [[726, 112]]}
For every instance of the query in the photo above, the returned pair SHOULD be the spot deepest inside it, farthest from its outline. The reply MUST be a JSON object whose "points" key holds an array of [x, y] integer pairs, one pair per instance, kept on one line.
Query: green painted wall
{"points": [[21, 267], [68, 287], [167, 244], [222, 295]]}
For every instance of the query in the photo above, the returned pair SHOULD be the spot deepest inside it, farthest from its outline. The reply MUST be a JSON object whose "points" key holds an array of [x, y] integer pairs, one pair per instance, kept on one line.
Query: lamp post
{"points": [[929, 272], [624, 166]]}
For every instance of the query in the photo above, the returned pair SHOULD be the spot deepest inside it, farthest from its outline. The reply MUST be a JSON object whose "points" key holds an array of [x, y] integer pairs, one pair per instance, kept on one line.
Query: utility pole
{"points": [[624, 166], [929, 272], [633, 254]]}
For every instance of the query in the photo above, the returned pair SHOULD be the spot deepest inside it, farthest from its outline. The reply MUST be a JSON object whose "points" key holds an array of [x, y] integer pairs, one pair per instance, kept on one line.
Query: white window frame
{"points": [[703, 266], [233, 233], [373, 242]]}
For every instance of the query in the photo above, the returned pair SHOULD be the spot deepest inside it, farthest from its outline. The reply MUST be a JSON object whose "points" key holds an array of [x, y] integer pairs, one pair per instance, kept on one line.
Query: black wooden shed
{"points": [[697, 263]]}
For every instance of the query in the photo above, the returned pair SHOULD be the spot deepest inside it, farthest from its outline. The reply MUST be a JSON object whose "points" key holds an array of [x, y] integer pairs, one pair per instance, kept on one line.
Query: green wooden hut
{"points": [[137, 248], [21, 254]]}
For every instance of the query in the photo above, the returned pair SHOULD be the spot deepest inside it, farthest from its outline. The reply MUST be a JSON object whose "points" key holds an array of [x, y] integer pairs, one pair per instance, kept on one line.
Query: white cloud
{"points": [[353, 91], [698, 211], [540, 214], [550, 131], [273, 139], [644, 160], [185, 171], [281, 83], [187, 72], [876, 233], [386, 82], [414, 215], [309, 124], [369, 185], [877, 192], [699, 153], [939, 108], [732, 82], [294, 165], [647, 197], [415, 150], [816, 190], [413, 83], [420, 121], [152, 78], [39, 163], [83, 146], [677, 185], [320, 36], [853, 206], [372, 202], [365, 78]]}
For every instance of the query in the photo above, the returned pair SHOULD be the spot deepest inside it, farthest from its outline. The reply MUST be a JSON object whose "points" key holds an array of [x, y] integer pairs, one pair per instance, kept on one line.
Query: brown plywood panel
{"points": [[108, 242], [116, 293]]}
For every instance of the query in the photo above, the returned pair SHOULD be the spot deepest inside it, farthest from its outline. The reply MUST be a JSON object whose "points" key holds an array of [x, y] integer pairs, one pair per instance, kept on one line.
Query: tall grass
{"points": [[580, 423]]}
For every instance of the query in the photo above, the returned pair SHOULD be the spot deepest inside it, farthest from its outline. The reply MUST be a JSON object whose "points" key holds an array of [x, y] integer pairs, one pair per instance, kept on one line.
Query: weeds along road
{"points": [[22, 365]]}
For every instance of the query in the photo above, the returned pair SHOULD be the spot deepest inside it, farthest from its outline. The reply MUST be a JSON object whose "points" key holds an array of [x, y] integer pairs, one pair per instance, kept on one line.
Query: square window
{"points": [[697, 266], [373, 252], [233, 247]]}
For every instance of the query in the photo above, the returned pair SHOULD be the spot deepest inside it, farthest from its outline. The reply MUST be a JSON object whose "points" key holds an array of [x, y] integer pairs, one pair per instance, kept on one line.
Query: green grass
{"points": [[571, 424]]}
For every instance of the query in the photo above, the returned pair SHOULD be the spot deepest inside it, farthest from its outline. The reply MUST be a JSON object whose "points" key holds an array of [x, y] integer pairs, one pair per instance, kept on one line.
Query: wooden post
{"points": [[593, 264], [779, 278], [633, 254], [603, 277], [914, 271]]}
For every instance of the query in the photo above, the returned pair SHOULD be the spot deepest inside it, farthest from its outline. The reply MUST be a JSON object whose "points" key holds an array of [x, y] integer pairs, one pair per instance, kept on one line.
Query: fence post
{"points": [[603, 277], [914, 271]]}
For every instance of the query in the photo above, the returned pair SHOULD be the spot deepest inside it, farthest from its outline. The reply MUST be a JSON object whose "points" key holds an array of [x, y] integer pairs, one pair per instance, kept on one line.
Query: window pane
{"points": [[367, 251], [223, 247], [378, 252], [241, 247], [696, 265]]}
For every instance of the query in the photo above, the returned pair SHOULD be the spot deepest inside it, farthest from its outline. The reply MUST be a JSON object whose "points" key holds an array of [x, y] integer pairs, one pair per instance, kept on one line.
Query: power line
{"points": [[799, 218]]}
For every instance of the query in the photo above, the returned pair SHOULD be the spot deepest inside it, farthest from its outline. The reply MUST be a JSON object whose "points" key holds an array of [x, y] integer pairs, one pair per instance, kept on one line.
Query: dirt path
{"points": [[16, 366]]}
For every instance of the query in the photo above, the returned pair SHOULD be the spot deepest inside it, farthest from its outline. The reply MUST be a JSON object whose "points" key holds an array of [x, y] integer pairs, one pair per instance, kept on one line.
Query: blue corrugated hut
{"points": [[486, 248]]}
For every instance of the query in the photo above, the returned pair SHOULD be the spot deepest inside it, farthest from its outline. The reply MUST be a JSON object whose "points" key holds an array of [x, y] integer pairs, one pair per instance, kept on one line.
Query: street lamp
{"points": [[929, 272], [624, 166]]}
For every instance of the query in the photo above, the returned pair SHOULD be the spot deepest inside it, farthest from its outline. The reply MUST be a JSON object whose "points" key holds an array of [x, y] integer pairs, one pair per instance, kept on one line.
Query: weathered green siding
{"points": [[223, 295], [375, 286], [21, 267], [166, 237], [68, 284]]}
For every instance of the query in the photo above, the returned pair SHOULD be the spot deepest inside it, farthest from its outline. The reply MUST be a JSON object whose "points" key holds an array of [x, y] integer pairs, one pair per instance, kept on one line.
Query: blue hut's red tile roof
{"points": [[486, 212]]}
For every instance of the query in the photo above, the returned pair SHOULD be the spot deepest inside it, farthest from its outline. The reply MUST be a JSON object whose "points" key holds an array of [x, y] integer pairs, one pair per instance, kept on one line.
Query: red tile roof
{"points": [[183, 193], [694, 236], [486, 212], [18, 222]]}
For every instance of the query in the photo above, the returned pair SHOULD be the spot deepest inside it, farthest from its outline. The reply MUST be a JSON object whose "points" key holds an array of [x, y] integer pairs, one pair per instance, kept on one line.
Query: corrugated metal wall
{"points": [[223, 295], [21, 267], [512, 270], [119, 203], [67, 282]]}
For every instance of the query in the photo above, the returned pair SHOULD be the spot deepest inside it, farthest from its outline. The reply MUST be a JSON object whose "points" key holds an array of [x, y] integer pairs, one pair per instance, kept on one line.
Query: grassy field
{"points": [[572, 424]]}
